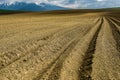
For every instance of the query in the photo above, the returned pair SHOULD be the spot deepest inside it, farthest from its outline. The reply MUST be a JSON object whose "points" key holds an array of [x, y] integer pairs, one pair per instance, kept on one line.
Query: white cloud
{"points": [[72, 3], [100, 0]]}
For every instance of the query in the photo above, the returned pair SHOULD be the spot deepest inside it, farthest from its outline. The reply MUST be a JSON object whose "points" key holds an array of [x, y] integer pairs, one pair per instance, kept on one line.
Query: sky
{"points": [[73, 3]]}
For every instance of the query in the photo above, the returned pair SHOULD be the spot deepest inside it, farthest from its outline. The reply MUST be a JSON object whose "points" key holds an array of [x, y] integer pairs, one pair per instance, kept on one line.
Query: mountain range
{"points": [[30, 6]]}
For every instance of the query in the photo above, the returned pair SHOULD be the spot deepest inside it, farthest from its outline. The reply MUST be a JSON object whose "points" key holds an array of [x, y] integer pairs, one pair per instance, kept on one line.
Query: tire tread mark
{"points": [[86, 67], [115, 32], [56, 65], [56, 71], [20, 51]]}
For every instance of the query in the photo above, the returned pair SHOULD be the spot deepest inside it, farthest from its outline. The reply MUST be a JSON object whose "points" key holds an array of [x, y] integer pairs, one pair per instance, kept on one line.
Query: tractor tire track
{"points": [[48, 73], [115, 32], [71, 65], [114, 20], [56, 72], [10, 57], [36, 56], [53, 70], [86, 67], [106, 57]]}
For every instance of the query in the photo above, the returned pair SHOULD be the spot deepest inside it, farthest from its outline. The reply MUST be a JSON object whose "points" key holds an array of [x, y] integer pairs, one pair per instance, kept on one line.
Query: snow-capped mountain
{"points": [[30, 6]]}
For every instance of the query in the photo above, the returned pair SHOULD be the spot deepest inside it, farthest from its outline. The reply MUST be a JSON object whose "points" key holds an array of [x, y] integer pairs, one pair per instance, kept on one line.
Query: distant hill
{"points": [[68, 11], [114, 8], [2, 12], [7, 11], [30, 6]]}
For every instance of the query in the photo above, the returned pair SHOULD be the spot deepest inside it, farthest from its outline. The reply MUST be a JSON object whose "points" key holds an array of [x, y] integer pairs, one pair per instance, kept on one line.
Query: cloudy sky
{"points": [[73, 3]]}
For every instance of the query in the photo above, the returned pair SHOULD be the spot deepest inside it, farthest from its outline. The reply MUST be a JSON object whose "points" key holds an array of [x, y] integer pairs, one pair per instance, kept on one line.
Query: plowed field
{"points": [[82, 46]]}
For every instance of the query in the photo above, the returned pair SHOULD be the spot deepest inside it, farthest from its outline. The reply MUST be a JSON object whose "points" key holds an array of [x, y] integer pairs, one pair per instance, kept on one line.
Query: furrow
{"points": [[86, 67], [53, 72], [71, 65], [115, 19], [12, 56], [115, 32], [106, 58], [32, 63]]}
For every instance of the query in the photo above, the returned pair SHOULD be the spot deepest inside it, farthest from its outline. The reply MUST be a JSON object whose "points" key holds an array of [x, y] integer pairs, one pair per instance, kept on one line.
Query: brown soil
{"points": [[60, 45]]}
